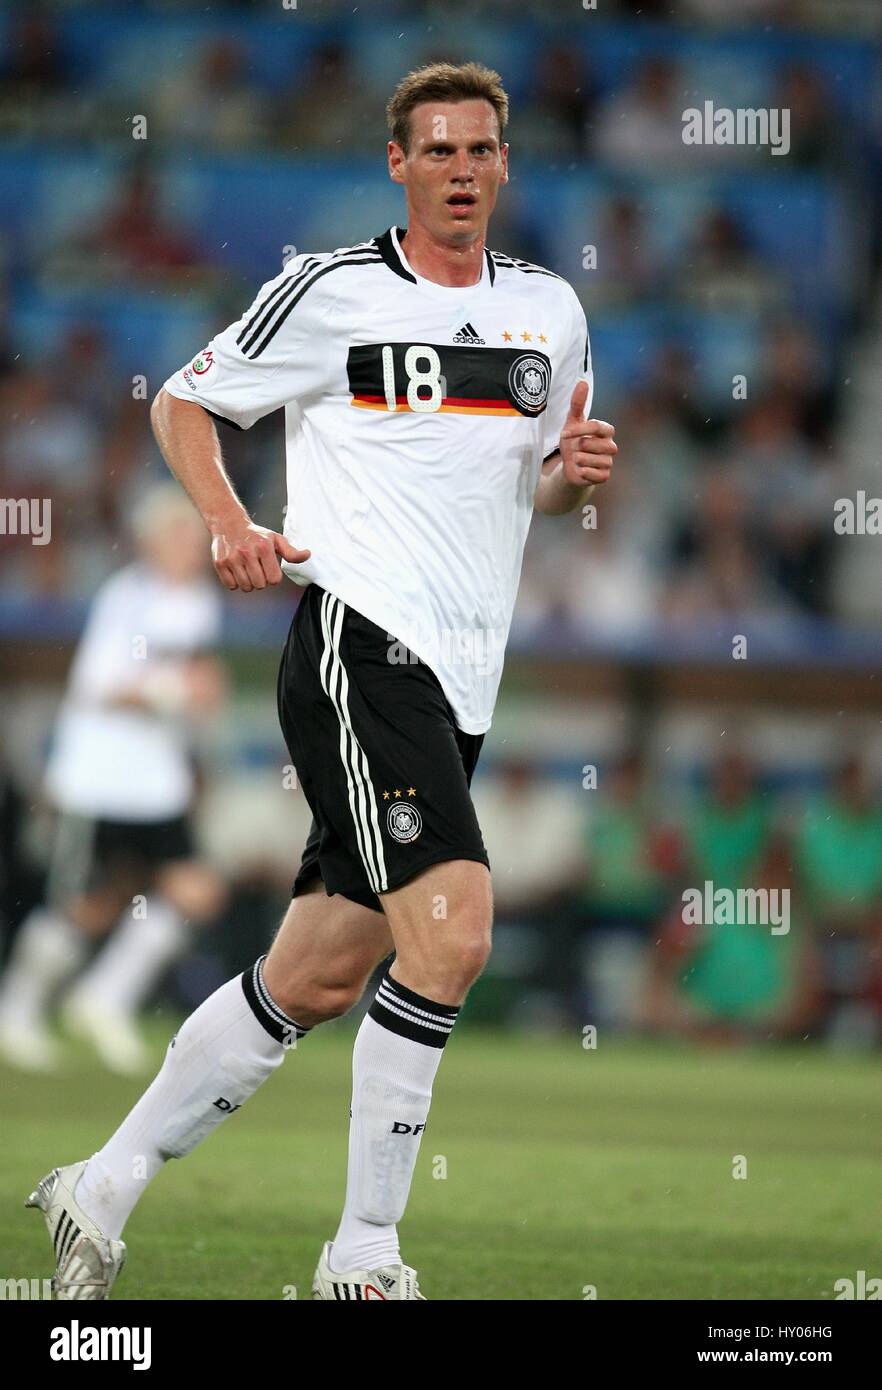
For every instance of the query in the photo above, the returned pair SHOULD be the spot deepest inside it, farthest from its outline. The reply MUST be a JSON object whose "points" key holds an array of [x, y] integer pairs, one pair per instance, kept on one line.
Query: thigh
{"points": [[378, 754], [441, 922], [326, 941]]}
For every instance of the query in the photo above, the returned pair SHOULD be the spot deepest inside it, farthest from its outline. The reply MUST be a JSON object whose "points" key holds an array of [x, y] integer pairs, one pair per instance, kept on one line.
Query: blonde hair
{"points": [[161, 505], [444, 82]]}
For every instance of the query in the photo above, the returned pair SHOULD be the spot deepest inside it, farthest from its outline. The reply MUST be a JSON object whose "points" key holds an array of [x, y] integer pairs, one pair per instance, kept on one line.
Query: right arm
{"points": [[244, 554]]}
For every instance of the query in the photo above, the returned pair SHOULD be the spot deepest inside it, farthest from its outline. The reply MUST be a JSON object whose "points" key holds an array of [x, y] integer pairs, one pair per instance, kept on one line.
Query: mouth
{"points": [[461, 203]]}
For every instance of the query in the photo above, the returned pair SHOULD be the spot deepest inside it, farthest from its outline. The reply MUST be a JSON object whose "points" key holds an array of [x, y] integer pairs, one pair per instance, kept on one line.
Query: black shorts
{"points": [[91, 854], [378, 753]]}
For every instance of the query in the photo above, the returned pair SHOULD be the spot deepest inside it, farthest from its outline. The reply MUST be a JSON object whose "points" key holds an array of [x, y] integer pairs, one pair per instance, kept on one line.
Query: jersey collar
{"points": [[389, 247]]}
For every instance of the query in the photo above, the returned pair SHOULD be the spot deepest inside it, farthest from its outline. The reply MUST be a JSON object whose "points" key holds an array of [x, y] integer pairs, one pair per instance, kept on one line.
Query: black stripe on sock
{"points": [[432, 1032], [265, 1009], [445, 1010]]}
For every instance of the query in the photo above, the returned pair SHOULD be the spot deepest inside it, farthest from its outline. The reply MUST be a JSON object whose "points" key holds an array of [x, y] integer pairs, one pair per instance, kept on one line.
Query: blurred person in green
{"points": [[728, 828], [839, 860], [739, 980], [731, 979], [631, 858]]}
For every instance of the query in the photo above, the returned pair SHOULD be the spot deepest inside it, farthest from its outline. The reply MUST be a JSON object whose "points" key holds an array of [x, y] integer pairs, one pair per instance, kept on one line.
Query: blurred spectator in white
{"points": [[596, 580], [532, 829], [125, 873], [640, 126]]}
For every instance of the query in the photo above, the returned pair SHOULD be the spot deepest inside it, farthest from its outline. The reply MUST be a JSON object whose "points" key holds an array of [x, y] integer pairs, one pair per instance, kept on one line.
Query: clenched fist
{"points": [[587, 447]]}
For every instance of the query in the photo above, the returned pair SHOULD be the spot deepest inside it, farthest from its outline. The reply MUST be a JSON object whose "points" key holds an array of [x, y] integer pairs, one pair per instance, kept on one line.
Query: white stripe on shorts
{"points": [[362, 802]]}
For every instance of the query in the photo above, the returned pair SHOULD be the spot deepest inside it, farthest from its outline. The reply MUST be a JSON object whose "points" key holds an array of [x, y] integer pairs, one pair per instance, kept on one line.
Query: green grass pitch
{"points": [[565, 1168]]}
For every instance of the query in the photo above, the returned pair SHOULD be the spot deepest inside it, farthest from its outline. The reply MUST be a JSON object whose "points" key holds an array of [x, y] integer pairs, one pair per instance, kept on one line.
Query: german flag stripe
{"points": [[404, 409]]}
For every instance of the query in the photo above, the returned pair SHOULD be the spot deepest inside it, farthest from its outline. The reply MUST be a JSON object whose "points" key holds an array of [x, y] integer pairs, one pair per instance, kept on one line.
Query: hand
{"points": [[244, 555], [587, 447]]}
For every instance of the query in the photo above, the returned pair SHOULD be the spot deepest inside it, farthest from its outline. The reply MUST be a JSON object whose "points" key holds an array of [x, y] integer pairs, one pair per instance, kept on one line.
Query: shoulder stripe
{"points": [[269, 316], [512, 263], [272, 299]]}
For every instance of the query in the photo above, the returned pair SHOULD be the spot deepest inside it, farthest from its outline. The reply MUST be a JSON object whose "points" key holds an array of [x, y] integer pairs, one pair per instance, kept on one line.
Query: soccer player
{"points": [[124, 873], [435, 392]]}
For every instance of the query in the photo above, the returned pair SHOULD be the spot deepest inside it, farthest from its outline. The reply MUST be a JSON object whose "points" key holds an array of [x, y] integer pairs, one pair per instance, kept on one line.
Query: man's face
{"points": [[453, 169]]}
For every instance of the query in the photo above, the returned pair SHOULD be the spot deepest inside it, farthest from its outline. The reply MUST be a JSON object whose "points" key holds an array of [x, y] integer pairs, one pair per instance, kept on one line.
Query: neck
{"points": [[437, 260]]}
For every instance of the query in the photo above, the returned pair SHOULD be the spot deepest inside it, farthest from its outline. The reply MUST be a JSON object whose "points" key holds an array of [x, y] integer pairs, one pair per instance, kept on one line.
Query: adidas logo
{"points": [[387, 1281], [467, 334]]}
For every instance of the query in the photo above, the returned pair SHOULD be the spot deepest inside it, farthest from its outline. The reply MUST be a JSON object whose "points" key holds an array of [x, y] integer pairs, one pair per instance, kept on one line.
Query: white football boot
{"points": [[29, 1047], [86, 1262], [112, 1034], [386, 1282]]}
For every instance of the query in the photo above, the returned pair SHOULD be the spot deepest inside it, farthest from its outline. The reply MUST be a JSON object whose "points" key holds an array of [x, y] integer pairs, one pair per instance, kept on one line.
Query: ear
{"points": [[396, 158], [504, 156]]}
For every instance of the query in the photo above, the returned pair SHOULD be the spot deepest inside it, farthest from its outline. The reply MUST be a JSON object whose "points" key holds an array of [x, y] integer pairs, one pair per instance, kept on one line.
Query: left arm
{"points": [[584, 459]]}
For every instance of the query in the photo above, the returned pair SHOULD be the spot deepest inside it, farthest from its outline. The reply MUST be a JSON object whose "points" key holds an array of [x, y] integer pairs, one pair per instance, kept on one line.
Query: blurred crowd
{"points": [[724, 504], [721, 507], [597, 922], [591, 884], [216, 98]]}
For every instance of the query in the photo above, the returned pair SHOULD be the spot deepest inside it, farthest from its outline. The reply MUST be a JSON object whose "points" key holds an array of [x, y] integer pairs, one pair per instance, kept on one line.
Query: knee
{"points": [[334, 1000], [453, 966], [472, 954], [318, 1001]]}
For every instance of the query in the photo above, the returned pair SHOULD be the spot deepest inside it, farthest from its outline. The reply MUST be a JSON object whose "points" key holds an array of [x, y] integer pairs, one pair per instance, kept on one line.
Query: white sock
{"points": [[126, 970], [47, 951], [396, 1055], [215, 1061]]}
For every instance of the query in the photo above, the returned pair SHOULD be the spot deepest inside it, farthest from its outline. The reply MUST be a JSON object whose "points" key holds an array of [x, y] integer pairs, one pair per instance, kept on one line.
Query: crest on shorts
{"points": [[403, 821], [528, 380]]}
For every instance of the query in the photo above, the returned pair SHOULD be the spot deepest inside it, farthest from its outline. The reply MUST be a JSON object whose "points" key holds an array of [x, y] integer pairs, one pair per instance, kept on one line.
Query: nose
{"points": [[461, 168]]}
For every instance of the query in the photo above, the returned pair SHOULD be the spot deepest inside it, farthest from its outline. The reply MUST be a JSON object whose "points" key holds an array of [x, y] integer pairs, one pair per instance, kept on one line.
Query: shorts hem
{"points": [[366, 897], [441, 857]]}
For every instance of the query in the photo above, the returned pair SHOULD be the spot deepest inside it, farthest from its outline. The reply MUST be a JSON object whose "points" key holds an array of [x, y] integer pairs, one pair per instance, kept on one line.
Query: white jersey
{"points": [[417, 417], [129, 763]]}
